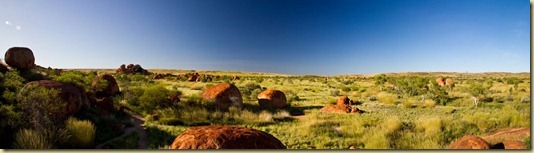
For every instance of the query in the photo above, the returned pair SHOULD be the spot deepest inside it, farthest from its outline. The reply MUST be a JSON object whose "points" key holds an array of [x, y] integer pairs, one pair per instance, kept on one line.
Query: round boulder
{"points": [[111, 88], [343, 100], [225, 137], [440, 81], [121, 69], [20, 58], [272, 99], [470, 142], [68, 94], [224, 95], [3, 68], [105, 104]]}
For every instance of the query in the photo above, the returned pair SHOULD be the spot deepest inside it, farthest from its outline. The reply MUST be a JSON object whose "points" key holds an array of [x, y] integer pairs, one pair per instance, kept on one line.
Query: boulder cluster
{"points": [[105, 87], [343, 105], [132, 69], [447, 82]]}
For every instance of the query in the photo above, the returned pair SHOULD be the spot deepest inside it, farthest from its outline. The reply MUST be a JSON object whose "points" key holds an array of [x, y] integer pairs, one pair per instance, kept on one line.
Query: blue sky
{"points": [[323, 37]]}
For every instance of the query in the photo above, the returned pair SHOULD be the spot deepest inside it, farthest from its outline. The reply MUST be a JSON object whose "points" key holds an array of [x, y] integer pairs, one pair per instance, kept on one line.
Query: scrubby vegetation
{"points": [[29, 117], [405, 111], [402, 111]]}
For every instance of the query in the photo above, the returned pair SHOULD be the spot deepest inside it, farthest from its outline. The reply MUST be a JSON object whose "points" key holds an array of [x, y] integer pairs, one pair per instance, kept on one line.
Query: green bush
{"points": [[11, 83], [11, 119], [39, 104], [247, 90], [380, 79], [138, 77], [31, 139], [77, 78], [82, 133], [254, 94], [345, 89], [154, 97]]}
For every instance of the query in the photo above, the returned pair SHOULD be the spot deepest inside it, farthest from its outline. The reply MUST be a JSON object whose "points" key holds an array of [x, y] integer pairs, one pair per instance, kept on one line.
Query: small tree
{"points": [[477, 91]]}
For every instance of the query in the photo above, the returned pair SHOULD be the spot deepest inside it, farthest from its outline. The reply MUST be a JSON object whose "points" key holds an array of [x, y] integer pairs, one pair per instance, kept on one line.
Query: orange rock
{"points": [[343, 100], [225, 137], [342, 108], [272, 99], [470, 142], [440, 81], [224, 95]]}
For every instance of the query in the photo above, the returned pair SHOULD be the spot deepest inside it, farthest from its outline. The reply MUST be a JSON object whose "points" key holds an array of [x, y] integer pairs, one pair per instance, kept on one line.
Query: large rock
{"points": [[68, 93], [20, 58], [192, 78], [440, 81], [225, 137], [92, 98], [470, 142], [85, 99], [224, 95], [121, 70], [272, 99], [105, 104], [514, 145], [3, 68], [111, 88], [343, 100]]}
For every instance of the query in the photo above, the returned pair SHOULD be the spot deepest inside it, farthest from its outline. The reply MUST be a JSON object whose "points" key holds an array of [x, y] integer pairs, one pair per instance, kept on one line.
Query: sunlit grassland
{"points": [[390, 122]]}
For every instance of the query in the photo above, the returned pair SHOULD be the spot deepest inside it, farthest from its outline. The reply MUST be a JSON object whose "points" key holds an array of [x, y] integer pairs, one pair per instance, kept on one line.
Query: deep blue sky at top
{"points": [[324, 37]]}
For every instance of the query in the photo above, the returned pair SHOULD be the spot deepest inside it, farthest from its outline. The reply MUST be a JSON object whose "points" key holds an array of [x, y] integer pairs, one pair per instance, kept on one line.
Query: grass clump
{"points": [[197, 86], [82, 133], [31, 139], [387, 98], [392, 124], [429, 125]]}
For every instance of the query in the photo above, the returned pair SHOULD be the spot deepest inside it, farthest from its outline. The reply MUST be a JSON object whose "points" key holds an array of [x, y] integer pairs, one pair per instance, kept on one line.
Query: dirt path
{"points": [[515, 134], [138, 127]]}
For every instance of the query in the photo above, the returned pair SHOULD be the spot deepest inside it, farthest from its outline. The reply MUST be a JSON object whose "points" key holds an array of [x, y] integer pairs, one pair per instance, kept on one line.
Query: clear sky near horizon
{"points": [[323, 37]]}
